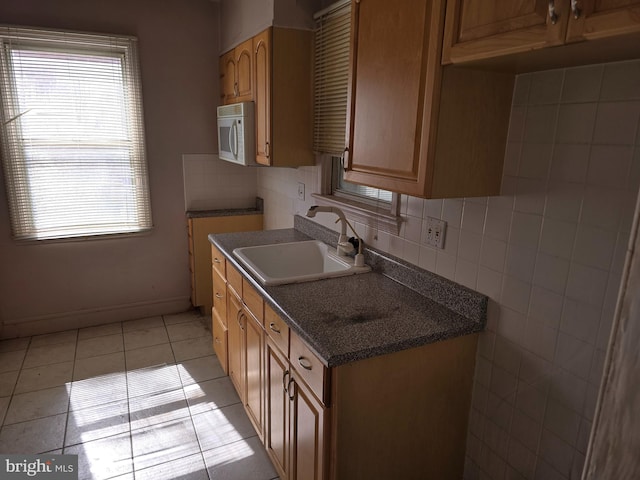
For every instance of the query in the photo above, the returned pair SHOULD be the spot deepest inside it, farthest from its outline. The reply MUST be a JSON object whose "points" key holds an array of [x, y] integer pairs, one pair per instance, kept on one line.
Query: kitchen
{"points": [[61, 286]]}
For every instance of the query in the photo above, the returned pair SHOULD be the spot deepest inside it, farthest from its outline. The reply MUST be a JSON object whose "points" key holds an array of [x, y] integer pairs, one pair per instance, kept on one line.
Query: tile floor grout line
{"points": [[126, 385], [15, 385], [70, 390]]}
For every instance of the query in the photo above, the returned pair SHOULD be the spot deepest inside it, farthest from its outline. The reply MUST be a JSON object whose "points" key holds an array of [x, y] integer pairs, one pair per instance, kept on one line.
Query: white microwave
{"points": [[236, 133]]}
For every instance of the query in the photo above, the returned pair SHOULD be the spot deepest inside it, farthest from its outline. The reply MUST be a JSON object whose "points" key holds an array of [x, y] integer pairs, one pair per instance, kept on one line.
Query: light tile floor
{"points": [[144, 399]]}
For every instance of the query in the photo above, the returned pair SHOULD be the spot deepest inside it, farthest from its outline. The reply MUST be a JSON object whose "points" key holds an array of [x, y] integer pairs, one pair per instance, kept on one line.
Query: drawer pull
{"points": [[290, 392], [305, 363], [273, 327], [217, 340], [284, 378], [216, 260], [218, 295]]}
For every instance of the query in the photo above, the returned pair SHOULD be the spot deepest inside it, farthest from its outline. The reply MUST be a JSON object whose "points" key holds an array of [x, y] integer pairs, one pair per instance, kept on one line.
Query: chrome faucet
{"points": [[344, 246]]}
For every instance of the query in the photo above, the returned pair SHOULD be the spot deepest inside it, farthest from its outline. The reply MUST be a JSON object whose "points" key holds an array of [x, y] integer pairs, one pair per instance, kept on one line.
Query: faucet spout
{"points": [[344, 247], [320, 208]]}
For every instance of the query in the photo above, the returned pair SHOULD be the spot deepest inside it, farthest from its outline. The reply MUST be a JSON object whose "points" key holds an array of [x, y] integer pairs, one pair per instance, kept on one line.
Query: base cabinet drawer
{"points": [[309, 367], [219, 339]]}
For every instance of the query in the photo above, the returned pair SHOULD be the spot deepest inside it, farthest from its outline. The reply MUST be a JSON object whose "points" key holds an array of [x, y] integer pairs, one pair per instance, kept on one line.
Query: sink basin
{"points": [[294, 262]]}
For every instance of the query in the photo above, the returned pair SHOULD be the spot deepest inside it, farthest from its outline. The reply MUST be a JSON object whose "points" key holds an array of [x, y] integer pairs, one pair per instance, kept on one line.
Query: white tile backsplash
{"points": [[540, 123], [558, 238], [549, 252], [582, 84], [575, 123], [621, 81], [617, 123]]}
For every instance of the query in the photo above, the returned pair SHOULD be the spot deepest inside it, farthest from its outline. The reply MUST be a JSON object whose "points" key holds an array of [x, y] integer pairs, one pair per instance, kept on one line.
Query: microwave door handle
{"points": [[233, 138]]}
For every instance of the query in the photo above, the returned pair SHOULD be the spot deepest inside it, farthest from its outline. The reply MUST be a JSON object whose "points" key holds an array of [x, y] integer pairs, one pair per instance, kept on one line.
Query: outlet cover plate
{"points": [[436, 230], [301, 191]]}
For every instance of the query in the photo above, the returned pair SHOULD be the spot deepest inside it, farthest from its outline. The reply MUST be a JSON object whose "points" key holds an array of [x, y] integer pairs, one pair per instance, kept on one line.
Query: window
{"points": [[72, 134], [331, 80], [361, 192]]}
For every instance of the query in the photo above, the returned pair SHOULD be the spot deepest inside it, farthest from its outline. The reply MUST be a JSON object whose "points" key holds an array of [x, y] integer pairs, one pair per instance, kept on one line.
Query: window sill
{"points": [[374, 217]]}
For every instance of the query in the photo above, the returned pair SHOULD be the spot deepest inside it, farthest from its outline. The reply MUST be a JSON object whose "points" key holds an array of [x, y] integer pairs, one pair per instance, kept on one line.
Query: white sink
{"points": [[294, 262]]}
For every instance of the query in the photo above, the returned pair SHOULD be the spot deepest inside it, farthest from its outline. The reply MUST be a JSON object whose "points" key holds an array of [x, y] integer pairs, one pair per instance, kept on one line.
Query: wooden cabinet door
{"points": [[219, 331], [603, 18], [228, 77], [236, 319], [276, 438], [477, 29], [307, 433], [262, 95], [395, 60], [254, 370], [220, 296], [244, 71]]}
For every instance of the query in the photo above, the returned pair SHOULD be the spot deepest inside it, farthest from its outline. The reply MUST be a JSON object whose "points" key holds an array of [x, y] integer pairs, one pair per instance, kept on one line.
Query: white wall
{"points": [[548, 252], [242, 19], [54, 286], [211, 183]]}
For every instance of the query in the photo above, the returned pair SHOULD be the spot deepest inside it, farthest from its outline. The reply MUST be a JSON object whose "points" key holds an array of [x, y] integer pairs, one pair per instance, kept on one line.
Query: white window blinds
{"points": [[72, 134], [331, 77]]}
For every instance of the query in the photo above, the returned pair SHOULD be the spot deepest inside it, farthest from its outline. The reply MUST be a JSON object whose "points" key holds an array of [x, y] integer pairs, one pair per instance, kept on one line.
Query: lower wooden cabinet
{"points": [[307, 431], [236, 333], [200, 252], [246, 359], [295, 421], [400, 415], [219, 330], [254, 372], [276, 438]]}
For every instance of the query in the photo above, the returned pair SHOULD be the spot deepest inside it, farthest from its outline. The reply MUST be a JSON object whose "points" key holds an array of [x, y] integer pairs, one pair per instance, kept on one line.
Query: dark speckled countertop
{"points": [[394, 307]]}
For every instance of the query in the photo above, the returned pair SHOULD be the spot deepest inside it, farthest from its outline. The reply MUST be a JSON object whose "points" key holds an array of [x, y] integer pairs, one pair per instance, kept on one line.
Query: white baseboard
{"points": [[37, 325]]}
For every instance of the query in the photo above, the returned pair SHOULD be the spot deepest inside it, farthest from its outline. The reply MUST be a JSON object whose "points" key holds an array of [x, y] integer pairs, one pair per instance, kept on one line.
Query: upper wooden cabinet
{"points": [[603, 18], [283, 94], [262, 67], [236, 74], [412, 126], [275, 70], [477, 29]]}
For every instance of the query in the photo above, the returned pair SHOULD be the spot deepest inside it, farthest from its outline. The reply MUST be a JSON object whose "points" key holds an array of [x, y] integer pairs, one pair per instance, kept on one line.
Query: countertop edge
{"points": [[470, 327]]}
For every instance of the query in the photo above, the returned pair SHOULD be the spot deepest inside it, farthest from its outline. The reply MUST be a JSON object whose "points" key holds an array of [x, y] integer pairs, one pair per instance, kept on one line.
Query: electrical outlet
{"points": [[301, 191], [436, 230]]}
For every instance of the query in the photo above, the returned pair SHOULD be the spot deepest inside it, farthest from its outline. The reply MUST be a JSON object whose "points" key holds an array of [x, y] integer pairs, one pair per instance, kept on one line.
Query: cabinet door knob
{"points": [[553, 16], [273, 327], [575, 9], [219, 296], [305, 363], [216, 260], [284, 380], [236, 92]]}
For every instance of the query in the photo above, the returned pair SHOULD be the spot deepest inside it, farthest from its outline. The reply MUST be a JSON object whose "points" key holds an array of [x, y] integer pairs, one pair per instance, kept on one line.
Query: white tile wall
{"points": [[548, 252], [210, 183]]}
